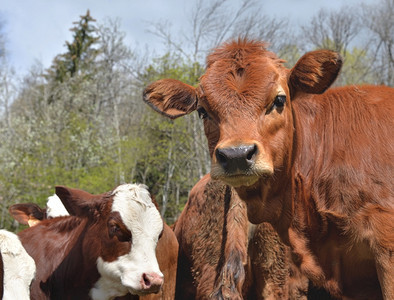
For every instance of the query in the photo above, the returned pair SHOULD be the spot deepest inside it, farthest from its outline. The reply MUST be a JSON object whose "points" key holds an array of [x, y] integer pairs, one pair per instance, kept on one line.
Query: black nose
{"points": [[233, 159]]}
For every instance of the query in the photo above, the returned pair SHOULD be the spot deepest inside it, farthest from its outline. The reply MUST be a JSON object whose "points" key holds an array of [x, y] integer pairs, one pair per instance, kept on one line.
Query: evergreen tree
{"points": [[81, 52]]}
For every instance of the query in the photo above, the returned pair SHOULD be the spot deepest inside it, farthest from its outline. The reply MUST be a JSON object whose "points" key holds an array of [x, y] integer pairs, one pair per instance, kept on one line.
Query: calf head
{"points": [[245, 99], [127, 261]]}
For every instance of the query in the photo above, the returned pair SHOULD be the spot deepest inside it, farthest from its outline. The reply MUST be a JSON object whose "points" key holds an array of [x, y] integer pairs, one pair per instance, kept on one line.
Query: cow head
{"points": [[125, 246], [132, 225], [245, 99]]}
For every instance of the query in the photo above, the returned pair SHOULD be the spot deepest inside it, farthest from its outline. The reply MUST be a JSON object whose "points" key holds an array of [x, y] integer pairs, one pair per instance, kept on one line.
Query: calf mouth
{"points": [[145, 291], [246, 178], [238, 180]]}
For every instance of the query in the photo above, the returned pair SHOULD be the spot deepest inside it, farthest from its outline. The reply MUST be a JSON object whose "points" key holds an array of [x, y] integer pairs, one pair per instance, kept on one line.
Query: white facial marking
{"points": [[142, 218]]}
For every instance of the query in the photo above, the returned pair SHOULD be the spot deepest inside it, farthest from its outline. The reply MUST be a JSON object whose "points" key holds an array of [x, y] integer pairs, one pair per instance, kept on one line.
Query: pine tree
{"points": [[81, 52]]}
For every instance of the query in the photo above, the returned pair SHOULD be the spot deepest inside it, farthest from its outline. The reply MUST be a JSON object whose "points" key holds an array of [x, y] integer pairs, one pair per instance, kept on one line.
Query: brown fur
{"points": [[216, 259], [167, 256], [322, 172]]}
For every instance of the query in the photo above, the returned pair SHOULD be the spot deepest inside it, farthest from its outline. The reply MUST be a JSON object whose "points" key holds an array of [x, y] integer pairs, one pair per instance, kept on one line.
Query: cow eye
{"points": [[279, 103], [280, 100], [202, 113], [116, 229], [113, 228]]}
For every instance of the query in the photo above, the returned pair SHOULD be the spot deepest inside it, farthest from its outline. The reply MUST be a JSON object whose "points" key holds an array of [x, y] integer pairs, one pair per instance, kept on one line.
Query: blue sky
{"points": [[36, 30]]}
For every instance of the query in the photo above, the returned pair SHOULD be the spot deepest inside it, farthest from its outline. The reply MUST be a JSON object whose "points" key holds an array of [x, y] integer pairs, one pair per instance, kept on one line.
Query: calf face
{"points": [[244, 99], [134, 225]]}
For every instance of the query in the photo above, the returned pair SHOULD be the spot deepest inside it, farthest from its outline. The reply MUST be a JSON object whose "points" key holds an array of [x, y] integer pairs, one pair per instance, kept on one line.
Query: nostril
{"points": [[251, 152], [147, 282], [221, 157], [152, 282]]}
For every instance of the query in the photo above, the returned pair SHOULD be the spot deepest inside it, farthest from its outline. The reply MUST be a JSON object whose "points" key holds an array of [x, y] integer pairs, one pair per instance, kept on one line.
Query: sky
{"points": [[36, 30]]}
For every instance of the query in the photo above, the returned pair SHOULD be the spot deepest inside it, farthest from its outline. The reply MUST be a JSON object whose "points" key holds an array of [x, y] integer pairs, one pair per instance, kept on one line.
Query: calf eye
{"points": [[202, 113], [279, 103], [280, 100], [114, 229]]}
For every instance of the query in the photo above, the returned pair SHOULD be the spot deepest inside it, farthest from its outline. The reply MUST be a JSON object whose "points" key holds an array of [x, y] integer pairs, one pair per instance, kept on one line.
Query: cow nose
{"points": [[151, 282], [233, 159]]}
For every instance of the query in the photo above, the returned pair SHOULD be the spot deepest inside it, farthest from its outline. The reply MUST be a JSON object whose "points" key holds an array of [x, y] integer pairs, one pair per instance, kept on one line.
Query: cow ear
{"points": [[171, 97], [315, 72], [77, 202], [27, 213]]}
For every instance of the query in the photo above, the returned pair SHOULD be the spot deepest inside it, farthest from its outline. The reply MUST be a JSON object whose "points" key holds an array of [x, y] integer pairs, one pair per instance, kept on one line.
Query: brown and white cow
{"points": [[318, 165], [106, 248], [17, 268], [166, 251], [223, 256]]}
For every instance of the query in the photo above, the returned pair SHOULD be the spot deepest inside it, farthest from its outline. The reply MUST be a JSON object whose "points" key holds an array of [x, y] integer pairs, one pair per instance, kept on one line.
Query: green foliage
{"points": [[170, 165], [173, 66], [356, 68], [84, 126]]}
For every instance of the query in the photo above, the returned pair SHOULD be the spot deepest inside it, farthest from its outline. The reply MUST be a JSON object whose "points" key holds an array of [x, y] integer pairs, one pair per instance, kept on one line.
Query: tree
{"points": [[54, 136], [80, 52], [333, 30], [172, 162], [379, 22], [343, 31], [7, 94]]}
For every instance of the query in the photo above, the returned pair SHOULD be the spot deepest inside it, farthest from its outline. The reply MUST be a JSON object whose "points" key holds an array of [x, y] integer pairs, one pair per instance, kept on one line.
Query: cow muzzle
{"points": [[151, 282], [240, 165], [236, 159]]}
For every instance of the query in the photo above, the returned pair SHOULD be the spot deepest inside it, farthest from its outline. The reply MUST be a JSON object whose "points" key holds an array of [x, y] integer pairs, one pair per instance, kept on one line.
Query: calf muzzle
{"points": [[151, 282], [237, 159]]}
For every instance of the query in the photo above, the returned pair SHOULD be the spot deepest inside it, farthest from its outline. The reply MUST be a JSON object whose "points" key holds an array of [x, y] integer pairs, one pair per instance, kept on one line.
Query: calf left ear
{"points": [[171, 97], [315, 72], [76, 202]]}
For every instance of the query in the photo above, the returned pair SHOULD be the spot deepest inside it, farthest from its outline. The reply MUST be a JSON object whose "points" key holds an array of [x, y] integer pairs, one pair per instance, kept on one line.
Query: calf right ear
{"points": [[315, 72], [171, 97], [77, 202]]}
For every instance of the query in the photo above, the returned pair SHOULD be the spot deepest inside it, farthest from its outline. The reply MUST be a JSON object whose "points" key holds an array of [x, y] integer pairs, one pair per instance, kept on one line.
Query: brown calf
{"points": [[317, 165]]}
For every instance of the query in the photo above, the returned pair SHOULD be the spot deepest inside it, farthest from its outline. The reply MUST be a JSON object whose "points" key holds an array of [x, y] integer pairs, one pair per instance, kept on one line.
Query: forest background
{"points": [[82, 122]]}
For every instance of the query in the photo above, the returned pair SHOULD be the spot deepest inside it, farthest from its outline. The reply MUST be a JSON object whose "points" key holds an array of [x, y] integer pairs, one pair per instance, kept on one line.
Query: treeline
{"points": [[82, 122]]}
